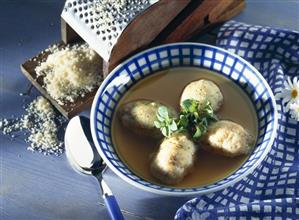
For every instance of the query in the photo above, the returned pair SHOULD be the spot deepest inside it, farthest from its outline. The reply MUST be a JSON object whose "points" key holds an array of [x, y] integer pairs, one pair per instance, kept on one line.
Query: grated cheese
{"points": [[40, 124], [113, 12], [70, 72]]}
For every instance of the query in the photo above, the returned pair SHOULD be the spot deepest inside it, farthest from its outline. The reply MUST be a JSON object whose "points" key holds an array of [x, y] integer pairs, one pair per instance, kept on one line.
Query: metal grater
{"points": [[101, 22]]}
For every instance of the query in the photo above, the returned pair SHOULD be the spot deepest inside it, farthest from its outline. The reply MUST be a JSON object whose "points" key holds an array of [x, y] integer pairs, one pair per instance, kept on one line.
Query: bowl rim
{"points": [[187, 193]]}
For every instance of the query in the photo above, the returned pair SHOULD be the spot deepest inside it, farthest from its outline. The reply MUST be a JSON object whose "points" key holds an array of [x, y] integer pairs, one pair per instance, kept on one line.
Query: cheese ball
{"points": [[174, 159], [139, 116], [202, 90], [227, 138]]}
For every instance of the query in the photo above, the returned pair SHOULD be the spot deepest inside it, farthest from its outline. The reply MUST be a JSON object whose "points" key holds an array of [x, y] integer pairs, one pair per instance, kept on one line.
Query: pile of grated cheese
{"points": [[70, 72], [115, 12], [40, 124]]}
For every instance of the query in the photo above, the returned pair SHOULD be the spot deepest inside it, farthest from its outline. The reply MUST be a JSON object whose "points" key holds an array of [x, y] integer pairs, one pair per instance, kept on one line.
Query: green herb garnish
{"points": [[193, 119], [165, 123]]}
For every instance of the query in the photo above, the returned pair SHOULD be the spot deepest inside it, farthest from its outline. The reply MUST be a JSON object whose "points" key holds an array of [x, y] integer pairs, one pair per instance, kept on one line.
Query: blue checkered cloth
{"points": [[272, 190]]}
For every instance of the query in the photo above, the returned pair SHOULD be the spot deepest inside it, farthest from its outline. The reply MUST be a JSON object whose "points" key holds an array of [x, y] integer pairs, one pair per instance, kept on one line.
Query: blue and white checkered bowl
{"points": [[151, 61]]}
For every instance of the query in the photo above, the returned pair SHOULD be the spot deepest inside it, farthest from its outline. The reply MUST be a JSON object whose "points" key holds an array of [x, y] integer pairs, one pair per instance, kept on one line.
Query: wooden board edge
{"points": [[42, 90], [67, 114]]}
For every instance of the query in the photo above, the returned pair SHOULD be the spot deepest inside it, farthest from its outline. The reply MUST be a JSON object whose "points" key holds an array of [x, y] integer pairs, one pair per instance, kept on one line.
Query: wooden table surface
{"points": [[34, 186]]}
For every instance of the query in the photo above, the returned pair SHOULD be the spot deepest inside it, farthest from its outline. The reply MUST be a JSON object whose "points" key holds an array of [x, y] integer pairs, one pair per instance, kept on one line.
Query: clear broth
{"points": [[166, 87]]}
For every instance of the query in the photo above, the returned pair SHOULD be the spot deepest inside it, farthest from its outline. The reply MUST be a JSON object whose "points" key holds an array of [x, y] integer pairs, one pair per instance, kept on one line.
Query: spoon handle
{"points": [[110, 201], [113, 208]]}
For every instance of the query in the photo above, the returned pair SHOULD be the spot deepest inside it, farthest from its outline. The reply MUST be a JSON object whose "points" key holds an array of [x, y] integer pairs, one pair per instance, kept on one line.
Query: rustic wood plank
{"points": [[69, 109], [209, 33], [184, 14], [205, 15], [233, 10], [105, 69], [144, 28]]}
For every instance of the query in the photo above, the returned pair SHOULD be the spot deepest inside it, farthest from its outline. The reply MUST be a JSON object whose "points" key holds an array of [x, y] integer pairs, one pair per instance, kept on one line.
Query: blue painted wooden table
{"points": [[34, 186]]}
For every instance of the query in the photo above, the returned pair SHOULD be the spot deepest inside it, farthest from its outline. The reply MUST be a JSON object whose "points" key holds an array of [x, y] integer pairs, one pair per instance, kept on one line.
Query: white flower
{"points": [[294, 110], [290, 93]]}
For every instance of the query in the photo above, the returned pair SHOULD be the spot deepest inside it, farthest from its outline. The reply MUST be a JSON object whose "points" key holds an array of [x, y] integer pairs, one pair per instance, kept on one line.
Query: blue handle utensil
{"points": [[83, 156], [111, 203]]}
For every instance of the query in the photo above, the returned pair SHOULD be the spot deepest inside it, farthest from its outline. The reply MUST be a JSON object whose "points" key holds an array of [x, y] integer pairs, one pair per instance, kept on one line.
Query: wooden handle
{"points": [[207, 13], [144, 28], [234, 9]]}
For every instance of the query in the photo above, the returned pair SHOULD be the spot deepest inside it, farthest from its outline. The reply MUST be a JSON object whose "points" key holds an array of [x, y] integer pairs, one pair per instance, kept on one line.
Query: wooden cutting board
{"points": [[69, 109], [165, 22]]}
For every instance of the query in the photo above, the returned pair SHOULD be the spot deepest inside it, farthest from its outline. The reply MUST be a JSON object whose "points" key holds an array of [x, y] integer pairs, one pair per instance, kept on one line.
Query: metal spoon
{"points": [[83, 156]]}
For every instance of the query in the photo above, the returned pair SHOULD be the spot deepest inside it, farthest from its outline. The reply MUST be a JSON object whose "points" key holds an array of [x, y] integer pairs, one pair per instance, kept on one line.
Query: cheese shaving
{"points": [[40, 124], [70, 72]]}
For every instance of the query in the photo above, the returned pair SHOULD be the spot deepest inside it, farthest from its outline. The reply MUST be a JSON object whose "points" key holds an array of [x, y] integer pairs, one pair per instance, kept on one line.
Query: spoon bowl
{"points": [[83, 157]]}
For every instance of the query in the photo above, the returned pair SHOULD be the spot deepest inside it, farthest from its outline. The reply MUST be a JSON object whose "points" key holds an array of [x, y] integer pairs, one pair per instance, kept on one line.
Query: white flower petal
{"points": [[294, 111], [286, 92], [286, 95], [295, 81], [286, 85], [290, 82]]}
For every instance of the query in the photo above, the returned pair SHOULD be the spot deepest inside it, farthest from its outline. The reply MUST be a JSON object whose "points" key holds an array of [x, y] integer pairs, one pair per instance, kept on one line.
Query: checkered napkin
{"points": [[272, 190]]}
